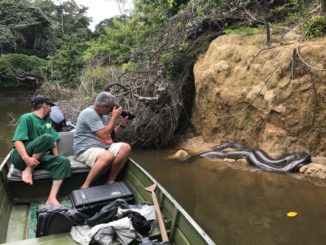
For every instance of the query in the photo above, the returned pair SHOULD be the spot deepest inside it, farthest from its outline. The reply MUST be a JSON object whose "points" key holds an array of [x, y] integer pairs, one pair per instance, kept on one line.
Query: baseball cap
{"points": [[39, 99]]}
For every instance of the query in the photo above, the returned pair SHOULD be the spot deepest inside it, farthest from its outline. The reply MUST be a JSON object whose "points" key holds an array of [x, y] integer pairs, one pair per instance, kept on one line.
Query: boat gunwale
{"points": [[5, 160], [187, 216]]}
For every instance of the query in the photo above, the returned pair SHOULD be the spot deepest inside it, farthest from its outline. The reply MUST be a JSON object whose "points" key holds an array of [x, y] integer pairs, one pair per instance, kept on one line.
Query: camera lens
{"points": [[129, 114]]}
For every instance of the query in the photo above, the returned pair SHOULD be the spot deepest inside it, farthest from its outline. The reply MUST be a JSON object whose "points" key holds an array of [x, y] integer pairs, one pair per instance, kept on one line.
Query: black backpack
{"points": [[53, 219]]}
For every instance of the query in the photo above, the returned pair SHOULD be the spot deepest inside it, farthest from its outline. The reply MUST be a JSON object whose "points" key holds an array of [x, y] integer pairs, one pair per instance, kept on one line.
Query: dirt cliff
{"points": [[269, 98]]}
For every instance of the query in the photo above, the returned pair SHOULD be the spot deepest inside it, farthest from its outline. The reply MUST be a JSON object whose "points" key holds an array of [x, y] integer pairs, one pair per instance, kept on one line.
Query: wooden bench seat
{"points": [[65, 146]]}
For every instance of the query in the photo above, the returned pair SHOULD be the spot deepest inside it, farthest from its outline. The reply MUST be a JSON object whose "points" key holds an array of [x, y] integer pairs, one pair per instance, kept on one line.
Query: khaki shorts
{"points": [[89, 157]]}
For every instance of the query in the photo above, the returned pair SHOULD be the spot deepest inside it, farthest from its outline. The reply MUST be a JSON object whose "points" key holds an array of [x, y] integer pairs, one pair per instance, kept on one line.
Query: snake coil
{"points": [[258, 158]]}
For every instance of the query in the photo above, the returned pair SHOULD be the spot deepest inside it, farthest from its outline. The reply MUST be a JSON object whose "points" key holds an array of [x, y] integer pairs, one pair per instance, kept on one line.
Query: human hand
{"points": [[31, 161], [116, 112]]}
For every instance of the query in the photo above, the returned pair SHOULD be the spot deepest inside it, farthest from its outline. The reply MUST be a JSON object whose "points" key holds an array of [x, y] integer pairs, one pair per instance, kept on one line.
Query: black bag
{"points": [[91, 200], [141, 225], [54, 219], [108, 213]]}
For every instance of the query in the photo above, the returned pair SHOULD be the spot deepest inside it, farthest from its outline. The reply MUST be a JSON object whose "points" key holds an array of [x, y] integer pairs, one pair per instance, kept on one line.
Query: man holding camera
{"points": [[93, 142]]}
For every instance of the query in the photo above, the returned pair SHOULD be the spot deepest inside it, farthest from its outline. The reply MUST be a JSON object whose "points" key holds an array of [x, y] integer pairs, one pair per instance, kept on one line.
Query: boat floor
{"points": [[17, 229], [23, 220]]}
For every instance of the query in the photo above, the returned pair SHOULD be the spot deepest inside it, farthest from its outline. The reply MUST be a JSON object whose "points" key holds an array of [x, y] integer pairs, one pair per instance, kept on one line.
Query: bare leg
{"points": [[119, 161], [52, 199], [27, 174], [102, 162]]}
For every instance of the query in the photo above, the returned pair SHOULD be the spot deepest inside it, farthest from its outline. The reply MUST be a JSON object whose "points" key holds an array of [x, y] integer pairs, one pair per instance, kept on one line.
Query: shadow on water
{"points": [[233, 203], [240, 204]]}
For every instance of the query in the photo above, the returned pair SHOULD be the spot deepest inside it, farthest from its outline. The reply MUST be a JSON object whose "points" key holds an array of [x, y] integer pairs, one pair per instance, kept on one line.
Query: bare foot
{"points": [[52, 201], [27, 176], [84, 186]]}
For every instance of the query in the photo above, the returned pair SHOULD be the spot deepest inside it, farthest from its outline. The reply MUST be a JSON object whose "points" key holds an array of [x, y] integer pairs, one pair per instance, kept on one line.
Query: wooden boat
{"points": [[18, 200]]}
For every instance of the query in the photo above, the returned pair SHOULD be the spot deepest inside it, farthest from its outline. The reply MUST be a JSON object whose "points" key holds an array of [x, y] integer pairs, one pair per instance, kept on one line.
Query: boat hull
{"points": [[182, 229]]}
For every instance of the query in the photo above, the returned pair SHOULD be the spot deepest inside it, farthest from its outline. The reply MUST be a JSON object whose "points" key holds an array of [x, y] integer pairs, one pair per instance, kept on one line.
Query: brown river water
{"points": [[233, 203]]}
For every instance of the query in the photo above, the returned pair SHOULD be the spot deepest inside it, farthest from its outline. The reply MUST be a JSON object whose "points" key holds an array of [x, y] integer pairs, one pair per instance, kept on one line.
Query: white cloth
{"points": [[104, 233], [89, 157]]}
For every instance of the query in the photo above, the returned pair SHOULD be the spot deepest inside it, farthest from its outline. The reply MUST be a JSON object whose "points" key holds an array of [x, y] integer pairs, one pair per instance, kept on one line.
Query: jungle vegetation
{"points": [[145, 57]]}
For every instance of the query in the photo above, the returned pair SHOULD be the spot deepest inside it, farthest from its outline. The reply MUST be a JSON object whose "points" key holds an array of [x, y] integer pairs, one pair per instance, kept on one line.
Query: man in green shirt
{"points": [[35, 146]]}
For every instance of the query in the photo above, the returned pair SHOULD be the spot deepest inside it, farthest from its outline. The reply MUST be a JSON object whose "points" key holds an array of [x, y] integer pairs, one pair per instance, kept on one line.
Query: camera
{"points": [[126, 113], [129, 114]]}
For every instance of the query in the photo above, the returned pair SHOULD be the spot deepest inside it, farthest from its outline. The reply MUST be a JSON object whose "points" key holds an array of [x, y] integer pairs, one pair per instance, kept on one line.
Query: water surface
{"points": [[235, 204], [10, 111]]}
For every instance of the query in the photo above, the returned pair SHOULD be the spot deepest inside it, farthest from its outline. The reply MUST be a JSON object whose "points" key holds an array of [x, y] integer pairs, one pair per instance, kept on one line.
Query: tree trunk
{"points": [[323, 7], [62, 30], [262, 8], [268, 34]]}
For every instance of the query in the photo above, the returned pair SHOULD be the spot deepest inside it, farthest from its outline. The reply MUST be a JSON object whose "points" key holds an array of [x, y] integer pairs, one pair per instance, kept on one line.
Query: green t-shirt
{"points": [[30, 126]]}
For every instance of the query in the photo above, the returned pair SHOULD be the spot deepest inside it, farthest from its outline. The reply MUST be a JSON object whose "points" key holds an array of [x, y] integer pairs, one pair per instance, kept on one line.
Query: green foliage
{"points": [[122, 36], [166, 59], [37, 27], [26, 28], [245, 31], [104, 24], [113, 46], [315, 27], [17, 67], [96, 78], [97, 75], [7, 38], [67, 17], [171, 3], [42, 28], [293, 16], [298, 8], [67, 63], [130, 66], [297, 3]]}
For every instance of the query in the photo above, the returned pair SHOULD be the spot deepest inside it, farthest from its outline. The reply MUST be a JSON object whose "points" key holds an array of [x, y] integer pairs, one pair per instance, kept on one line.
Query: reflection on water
{"points": [[10, 111], [234, 204], [242, 205]]}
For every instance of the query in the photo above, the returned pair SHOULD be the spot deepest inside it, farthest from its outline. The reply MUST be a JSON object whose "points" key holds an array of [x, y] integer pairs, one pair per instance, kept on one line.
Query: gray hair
{"points": [[104, 98]]}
